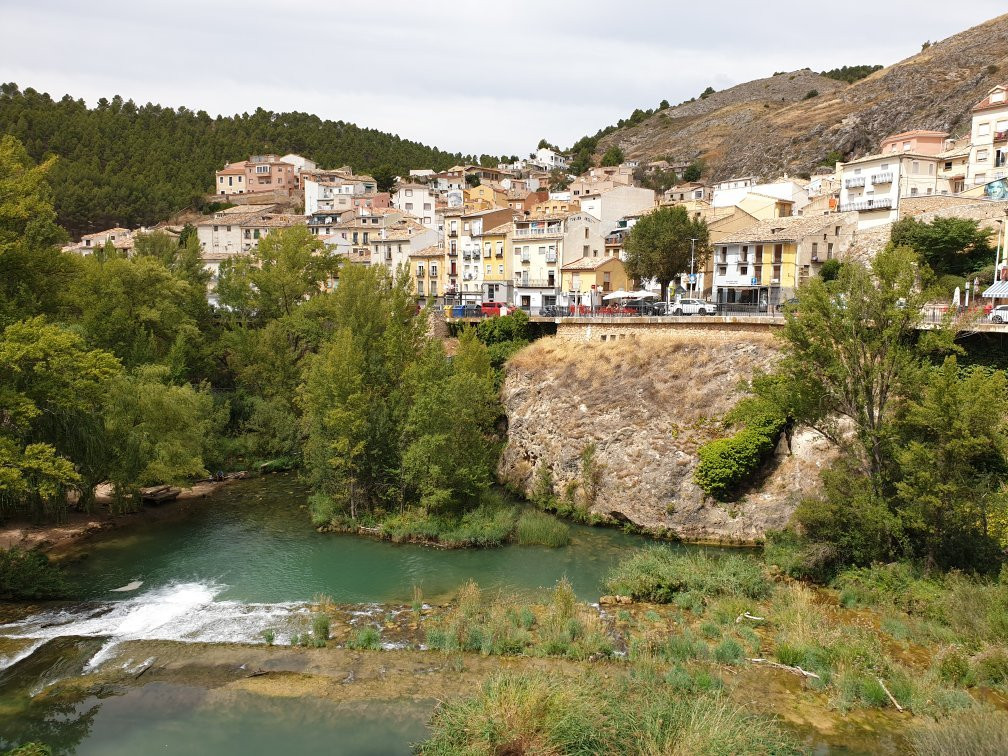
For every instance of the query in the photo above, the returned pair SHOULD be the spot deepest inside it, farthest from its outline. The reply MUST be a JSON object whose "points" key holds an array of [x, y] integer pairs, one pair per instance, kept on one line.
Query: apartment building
{"points": [[618, 202], [918, 141], [393, 244], [427, 268], [760, 267], [536, 255], [989, 139], [418, 200], [463, 246], [586, 281], [260, 173], [498, 274], [336, 191], [237, 230], [873, 185]]}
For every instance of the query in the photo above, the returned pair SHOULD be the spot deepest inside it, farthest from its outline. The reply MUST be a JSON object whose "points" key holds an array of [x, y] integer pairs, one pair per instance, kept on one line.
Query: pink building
{"points": [[260, 173], [920, 141]]}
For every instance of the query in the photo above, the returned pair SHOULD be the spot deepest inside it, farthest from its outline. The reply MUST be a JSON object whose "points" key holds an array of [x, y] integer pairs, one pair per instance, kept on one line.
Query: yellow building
{"points": [[586, 281], [498, 273], [427, 270], [556, 207], [486, 196]]}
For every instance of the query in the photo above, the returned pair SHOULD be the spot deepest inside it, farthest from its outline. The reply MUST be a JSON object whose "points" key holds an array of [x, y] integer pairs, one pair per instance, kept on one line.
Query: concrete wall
{"points": [[710, 329]]}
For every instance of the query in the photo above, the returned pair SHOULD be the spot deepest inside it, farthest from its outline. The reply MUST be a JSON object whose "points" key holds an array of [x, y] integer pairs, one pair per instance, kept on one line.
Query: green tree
{"points": [[287, 267], [693, 172], [951, 463], [659, 244], [955, 246], [852, 349], [34, 275], [707, 93], [473, 180], [450, 449], [158, 432], [52, 389], [612, 156]]}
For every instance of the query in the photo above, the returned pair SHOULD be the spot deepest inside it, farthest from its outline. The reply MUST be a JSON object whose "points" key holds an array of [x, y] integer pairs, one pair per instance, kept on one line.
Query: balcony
{"points": [[880, 203], [525, 257], [453, 234], [882, 178], [556, 230], [551, 256], [1001, 136], [854, 181], [535, 283]]}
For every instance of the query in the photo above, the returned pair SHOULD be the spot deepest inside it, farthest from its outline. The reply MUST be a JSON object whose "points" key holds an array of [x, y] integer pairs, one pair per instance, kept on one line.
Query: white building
{"points": [[618, 202], [418, 200], [989, 139], [736, 183], [873, 185], [785, 189], [548, 160], [299, 162], [392, 245]]}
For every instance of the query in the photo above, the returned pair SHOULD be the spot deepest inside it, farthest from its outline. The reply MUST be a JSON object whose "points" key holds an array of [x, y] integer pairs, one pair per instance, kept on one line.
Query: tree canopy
{"points": [[120, 163], [659, 244]]}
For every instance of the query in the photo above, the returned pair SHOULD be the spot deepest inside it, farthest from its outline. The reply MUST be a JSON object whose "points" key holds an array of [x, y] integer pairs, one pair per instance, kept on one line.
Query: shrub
{"points": [[365, 639], [659, 573], [810, 94], [729, 651], [953, 667], [268, 636], [30, 575], [538, 528], [320, 627], [727, 463], [991, 667]]}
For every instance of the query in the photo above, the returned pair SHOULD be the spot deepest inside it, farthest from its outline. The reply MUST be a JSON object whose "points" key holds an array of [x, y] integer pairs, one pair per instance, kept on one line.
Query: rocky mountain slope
{"points": [[767, 126], [646, 405]]}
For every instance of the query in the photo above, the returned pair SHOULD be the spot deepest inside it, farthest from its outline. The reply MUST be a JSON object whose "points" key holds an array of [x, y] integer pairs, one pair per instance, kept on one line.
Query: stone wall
{"points": [[726, 330]]}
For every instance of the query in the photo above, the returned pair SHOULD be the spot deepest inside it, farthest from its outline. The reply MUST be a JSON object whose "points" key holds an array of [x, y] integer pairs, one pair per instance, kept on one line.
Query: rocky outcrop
{"points": [[767, 126], [646, 405]]}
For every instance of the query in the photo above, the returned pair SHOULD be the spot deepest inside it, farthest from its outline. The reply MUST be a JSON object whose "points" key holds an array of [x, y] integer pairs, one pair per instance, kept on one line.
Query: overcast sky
{"points": [[464, 76]]}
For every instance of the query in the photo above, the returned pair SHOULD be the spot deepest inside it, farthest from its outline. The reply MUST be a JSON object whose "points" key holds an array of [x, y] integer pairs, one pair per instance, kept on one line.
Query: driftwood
{"points": [[258, 673], [746, 615], [891, 697], [778, 665]]}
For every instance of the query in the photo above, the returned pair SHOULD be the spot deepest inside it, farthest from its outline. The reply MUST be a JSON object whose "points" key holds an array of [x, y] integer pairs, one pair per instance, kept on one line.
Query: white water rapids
{"points": [[185, 612]]}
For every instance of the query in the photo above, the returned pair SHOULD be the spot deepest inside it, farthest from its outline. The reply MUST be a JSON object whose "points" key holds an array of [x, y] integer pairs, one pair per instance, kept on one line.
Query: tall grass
{"points": [[540, 529], [977, 733], [659, 573], [547, 714]]}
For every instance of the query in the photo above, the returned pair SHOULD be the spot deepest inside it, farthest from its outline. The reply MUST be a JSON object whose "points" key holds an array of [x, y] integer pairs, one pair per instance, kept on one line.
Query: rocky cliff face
{"points": [[646, 405], [767, 126]]}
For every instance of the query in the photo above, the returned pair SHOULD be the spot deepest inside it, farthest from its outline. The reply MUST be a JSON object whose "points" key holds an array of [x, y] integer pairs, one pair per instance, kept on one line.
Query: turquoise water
{"points": [[254, 539]]}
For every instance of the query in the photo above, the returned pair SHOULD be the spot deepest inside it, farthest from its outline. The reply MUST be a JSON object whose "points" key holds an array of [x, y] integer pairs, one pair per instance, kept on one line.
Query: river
{"points": [[241, 561]]}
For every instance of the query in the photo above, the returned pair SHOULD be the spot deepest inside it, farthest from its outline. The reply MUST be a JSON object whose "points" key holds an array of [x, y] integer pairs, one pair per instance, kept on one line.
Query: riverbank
{"points": [[54, 538]]}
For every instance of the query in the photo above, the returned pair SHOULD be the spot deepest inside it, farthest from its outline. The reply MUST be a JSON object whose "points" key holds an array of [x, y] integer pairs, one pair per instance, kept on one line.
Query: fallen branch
{"points": [[258, 673], [891, 697], [746, 615], [778, 665]]}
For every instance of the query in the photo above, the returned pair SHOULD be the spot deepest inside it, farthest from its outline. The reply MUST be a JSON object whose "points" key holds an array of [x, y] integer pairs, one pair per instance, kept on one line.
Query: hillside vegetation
{"points": [[777, 124], [126, 164]]}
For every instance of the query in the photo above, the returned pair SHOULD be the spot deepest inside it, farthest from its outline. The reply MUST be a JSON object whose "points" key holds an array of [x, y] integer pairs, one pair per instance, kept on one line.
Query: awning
{"points": [[998, 290]]}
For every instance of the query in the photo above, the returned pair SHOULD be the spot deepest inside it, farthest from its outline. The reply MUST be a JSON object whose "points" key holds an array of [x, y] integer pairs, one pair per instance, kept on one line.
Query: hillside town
{"points": [[530, 235]]}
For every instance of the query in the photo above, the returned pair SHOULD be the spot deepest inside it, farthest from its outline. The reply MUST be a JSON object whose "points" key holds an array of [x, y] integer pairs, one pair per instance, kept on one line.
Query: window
{"points": [[836, 231], [489, 269], [930, 169], [221, 179], [419, 270], [815, 250], [776, 273], [409, 192], [586, 233], [913, 191], [262, 169], [409, 205], [500, 270], [426, 206], [228, 229], [215, 229], [981, 156], [983, 129], [433, 270], [948, 165], [722, 270], [906, 146], [915, 166]]}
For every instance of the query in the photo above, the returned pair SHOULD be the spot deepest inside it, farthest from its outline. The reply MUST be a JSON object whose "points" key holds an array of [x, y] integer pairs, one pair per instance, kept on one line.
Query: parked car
{"points": [[999, 314], [694, 307], [493, 309]]}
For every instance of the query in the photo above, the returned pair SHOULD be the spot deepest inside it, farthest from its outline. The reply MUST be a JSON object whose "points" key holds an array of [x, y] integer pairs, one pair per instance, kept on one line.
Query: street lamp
{"points": [[692, 277]]}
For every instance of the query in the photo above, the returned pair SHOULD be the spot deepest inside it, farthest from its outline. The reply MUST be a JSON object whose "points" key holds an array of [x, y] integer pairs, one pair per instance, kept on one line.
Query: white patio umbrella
{"points": [[642, 294], [618, 294]]}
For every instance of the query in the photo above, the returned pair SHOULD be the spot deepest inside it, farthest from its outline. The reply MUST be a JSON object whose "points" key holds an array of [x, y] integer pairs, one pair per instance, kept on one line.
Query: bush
{"points": [[268, 636], [538, 528], [810, 94], [365, 639], [526, 713], [727, 463], [320, 627], [30, 575], [729, 651], [659, 573]]}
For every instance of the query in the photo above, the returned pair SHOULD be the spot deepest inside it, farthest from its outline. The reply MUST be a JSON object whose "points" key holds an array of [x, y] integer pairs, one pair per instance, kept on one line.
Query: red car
{"points": [[492, 309]]}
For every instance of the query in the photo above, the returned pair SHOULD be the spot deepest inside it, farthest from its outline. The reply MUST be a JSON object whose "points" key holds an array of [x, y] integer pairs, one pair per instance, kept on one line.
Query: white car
{"points": [[693, 307], [999, 314]]}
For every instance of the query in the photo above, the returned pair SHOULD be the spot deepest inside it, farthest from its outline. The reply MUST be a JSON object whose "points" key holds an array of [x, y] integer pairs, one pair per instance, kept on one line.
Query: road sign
{"points": [[754, 281], [692, 278]]}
